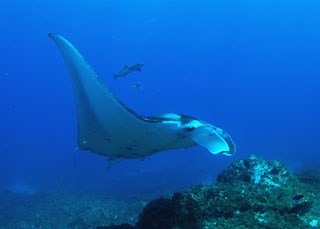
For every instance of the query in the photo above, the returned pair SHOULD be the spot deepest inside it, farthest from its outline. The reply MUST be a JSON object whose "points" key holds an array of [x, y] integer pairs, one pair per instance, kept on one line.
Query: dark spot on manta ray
{"points": [[134, 153], [129, 148], [182, 135], [108, 139], [156, 150], [188, 129]]}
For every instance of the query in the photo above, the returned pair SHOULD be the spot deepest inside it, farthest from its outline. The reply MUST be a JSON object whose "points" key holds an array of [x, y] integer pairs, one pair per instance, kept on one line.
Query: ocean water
{"points": [[248, 67]]}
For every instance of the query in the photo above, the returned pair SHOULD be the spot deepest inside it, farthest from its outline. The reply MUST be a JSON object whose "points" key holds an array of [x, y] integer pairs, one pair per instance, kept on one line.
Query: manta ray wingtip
{"points": [[53, 35]]}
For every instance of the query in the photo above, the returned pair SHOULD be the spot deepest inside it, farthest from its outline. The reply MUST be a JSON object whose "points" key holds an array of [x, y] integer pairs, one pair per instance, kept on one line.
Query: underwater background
{"points": [[248, 67]]}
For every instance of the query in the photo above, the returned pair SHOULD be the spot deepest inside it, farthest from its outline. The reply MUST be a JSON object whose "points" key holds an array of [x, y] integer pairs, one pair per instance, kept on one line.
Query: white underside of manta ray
{"points": [[108, 127]]}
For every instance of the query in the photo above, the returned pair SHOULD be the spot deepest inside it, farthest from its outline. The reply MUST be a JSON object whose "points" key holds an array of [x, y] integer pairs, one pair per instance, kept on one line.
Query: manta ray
{"points": [[108, 127]]}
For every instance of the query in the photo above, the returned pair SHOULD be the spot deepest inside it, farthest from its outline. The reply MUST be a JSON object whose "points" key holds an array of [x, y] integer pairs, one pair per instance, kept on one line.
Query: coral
{"points": [[250, 193], [256, 170]]}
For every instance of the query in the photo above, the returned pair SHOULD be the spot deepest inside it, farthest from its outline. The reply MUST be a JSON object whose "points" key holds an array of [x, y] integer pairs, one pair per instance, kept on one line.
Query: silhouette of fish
{"points": [[138, 85], [128, 69]]}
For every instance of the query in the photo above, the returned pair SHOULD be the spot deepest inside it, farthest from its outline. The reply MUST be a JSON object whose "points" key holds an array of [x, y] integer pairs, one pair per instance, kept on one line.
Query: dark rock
{"points": [[301, 209], [246, 164], [159, 213], [237, 171]]}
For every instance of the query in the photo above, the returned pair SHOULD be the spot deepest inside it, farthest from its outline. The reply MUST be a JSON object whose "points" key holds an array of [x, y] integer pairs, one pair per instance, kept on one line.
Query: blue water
{"points": [[248, 67]]}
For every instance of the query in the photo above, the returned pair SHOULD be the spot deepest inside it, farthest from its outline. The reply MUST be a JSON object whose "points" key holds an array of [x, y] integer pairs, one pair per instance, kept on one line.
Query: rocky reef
{"points": [[251, 193]]}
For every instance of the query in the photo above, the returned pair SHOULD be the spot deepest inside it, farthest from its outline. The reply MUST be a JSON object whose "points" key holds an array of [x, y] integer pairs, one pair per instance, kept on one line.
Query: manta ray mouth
{"points": [[108, 127]]}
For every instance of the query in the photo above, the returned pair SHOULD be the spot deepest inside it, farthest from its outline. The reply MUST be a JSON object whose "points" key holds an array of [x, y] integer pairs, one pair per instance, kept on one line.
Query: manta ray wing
{"points": [[106, 126]]}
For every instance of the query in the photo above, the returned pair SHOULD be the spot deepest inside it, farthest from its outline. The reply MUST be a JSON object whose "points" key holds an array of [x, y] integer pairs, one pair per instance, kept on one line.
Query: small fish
{"points": [[137, 85], [128, 69], [297, 197]]}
